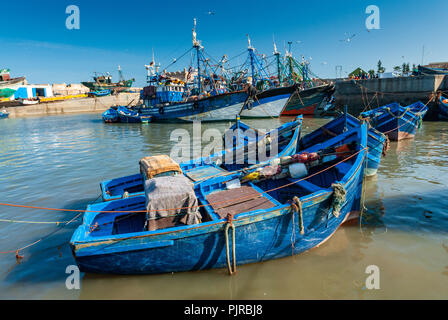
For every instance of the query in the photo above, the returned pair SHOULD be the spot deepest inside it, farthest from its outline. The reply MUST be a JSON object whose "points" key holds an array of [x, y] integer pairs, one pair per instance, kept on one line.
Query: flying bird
{"points": [[348, 39], [212, 13]]}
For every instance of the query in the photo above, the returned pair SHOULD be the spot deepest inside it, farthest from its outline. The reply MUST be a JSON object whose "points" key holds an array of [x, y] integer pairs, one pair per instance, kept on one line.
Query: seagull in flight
{"points": [[212, 13], [348, 39]]}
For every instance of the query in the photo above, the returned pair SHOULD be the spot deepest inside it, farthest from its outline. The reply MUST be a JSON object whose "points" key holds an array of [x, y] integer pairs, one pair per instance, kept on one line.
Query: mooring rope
{"points": [[230, 268]]}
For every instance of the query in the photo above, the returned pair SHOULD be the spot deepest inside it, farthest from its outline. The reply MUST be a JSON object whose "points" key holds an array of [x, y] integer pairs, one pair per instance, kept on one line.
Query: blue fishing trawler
{"points": [[377, 142], [245, 217], [208, 97], [396, 121], [235, 156]]}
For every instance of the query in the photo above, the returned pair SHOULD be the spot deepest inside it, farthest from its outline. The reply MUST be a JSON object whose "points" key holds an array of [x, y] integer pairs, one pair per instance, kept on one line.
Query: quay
{"points": [[72, 106], [362, 95]]}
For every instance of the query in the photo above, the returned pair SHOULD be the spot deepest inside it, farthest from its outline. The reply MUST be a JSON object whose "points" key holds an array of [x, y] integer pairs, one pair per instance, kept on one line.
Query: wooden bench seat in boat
{"points": [[235, 201], [202, 172]]}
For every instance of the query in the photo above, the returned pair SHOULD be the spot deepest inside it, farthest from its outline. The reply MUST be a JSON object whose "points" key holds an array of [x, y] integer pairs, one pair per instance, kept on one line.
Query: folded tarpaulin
{"points": [[170, 201], [152, 166]]}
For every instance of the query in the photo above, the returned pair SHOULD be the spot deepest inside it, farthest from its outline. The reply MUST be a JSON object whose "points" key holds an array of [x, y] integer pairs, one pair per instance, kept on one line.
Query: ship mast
{"points": [[277, 55], [197, 46], [251, 55]]}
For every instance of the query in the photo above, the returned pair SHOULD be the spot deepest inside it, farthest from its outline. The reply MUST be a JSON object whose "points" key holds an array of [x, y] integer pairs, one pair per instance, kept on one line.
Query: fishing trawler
{"points": [[104, 82], [6, 82]]}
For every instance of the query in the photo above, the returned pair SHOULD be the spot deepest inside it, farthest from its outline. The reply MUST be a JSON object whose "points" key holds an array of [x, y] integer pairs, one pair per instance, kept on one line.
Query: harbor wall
{"points": [[361, 95], [72, 106]]}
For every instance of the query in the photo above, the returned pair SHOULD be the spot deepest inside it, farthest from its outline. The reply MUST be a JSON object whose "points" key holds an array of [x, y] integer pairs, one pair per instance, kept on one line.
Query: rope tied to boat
{"points": [[298, 204], [386, 145], [230, 267], [339, 197]]}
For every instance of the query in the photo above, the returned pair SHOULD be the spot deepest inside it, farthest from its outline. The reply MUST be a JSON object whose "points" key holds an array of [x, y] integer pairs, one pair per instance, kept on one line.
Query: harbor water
{"points": [[58, 162]]}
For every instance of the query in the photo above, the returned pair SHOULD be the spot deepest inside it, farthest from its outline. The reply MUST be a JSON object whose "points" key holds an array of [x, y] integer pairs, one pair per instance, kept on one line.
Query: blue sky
{"points": [[35, 42]]}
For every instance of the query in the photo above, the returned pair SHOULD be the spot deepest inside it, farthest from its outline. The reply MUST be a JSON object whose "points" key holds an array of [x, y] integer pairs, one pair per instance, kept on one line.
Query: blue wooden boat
{"points": [[419, 108], [395, 121], [216, 164], [4, 114], [377, 142], [127, 115], [100, 93], [443, 109], [111, 115], [262, 220]]}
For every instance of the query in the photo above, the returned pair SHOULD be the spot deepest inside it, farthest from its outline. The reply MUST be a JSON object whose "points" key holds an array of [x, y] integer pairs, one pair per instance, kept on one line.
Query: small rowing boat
{"points": [[396, 121], [4, 114], [247, 147], [272, 212], [100, 93], [127, 115], [111, 115]]}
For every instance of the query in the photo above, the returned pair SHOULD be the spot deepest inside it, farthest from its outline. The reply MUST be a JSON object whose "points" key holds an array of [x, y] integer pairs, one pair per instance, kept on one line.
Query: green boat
{"points": [[104, 82]]}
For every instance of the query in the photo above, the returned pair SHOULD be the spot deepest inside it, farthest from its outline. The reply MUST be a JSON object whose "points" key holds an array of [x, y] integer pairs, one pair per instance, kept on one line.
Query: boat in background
{"points": [[27, 102], [6, 82], [4, 114], [100, 93], [104, 82], [244, 138], [377, 142], [443, 109], [394, 120], [7, 92], [282, 210], [309, 101]]}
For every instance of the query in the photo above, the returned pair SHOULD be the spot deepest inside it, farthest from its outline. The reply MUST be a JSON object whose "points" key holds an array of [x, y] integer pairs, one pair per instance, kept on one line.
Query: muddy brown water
{"points": [[59, 161]]}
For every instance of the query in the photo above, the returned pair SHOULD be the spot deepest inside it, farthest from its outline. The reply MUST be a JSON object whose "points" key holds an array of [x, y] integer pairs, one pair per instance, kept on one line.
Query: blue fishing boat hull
{"points": [[127, 115], [4, 115], [101, 93], [376, 142], [222, 107], [443, 109], [260, 235], [395, 121], [110, 116]]}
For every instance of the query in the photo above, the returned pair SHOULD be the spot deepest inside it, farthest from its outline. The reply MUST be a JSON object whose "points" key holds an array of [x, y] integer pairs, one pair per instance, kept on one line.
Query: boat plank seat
{"points": [[202, 172], [235, 201], [308, 186]]}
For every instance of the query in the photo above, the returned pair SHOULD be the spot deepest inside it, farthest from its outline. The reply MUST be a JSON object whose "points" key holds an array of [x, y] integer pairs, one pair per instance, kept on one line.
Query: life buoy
{"points": [[161, 111]]}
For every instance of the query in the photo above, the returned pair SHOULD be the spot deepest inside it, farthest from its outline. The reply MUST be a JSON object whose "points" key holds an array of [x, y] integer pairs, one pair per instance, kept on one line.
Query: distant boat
{"points": [[308, 101], [226, 221], [377, 142], [100, 93], [104, 82], [29, 101], [198, 169], [443, 109], [396, 121], [4, 114], [6, 82]]}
